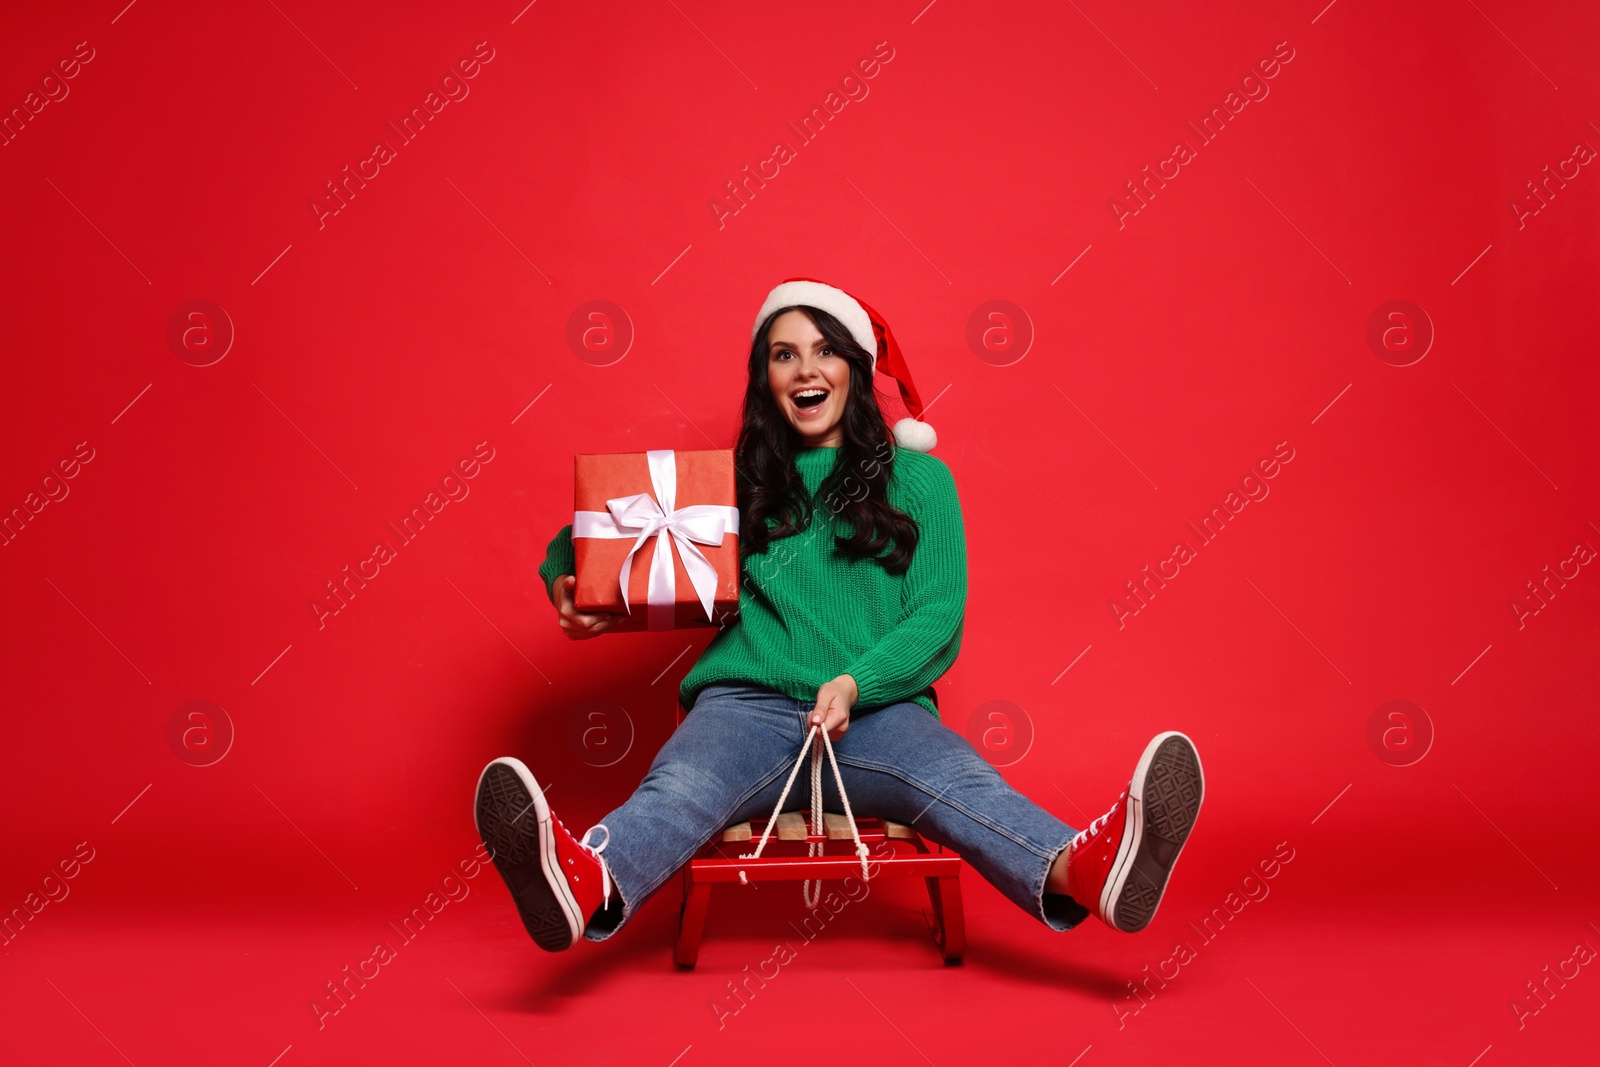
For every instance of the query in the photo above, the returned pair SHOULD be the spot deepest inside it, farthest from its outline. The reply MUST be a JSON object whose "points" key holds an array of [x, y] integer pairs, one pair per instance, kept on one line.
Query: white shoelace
{"points": [[1099, 821], [813, 848]]}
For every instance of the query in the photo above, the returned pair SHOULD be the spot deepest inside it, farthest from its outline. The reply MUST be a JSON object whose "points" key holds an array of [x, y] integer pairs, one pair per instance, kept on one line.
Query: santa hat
{"points": [[871, 332]]}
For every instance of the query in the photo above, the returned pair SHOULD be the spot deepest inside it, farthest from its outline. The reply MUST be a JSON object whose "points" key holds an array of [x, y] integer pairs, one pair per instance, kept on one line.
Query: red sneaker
{"points": [[1118, 866], [557, 881]]}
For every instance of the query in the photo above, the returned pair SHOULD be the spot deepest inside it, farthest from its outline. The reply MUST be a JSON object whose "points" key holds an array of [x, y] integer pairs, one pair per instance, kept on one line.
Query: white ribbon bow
{"points": [[658, 515]]}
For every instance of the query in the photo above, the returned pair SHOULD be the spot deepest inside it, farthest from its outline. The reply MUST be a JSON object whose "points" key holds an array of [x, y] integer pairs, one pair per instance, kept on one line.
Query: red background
{"points": [[375, 351]]}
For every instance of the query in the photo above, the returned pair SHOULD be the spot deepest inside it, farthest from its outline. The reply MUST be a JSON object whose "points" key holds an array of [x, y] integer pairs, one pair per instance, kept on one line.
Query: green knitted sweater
{"points": [[809, 613]]}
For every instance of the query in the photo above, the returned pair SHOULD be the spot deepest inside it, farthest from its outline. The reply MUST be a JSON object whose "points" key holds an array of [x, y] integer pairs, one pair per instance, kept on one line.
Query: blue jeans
{"points": [[729, 758]]}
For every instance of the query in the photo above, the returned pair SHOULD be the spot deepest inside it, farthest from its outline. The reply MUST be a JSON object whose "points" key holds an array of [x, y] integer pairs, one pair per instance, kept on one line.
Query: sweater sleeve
{"points": [[933, 600], [558, 560]]}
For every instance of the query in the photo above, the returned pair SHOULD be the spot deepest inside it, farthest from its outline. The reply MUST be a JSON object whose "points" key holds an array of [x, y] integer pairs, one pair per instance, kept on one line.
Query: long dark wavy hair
{"points": [[770, 487]]}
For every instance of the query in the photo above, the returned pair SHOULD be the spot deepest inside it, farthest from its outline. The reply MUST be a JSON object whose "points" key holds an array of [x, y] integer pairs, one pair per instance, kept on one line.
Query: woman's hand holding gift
{"points": [[575, 624]]}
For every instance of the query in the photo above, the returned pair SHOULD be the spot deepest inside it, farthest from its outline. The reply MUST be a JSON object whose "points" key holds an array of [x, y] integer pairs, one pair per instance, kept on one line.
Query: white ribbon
{"points": [[645, 515]]}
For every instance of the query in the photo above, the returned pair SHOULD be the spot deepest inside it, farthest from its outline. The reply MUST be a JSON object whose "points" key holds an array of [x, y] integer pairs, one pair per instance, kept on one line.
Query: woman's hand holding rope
{"points": [[834, 701]]}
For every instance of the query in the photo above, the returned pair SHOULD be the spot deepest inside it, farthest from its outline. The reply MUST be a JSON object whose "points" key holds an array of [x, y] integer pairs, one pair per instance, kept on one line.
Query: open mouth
{"points": [[808, 398]]}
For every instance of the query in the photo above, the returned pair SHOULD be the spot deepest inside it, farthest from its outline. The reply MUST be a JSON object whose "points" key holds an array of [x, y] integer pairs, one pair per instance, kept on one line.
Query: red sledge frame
{"points": [[714, 865]]}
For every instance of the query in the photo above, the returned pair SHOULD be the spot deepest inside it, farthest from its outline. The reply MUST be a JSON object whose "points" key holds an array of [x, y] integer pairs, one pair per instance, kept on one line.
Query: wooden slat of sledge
{"points": [[792, 827], [890, 829]]}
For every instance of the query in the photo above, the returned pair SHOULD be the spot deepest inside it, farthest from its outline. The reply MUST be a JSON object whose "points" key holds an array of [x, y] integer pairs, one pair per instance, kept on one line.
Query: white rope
{"points": [[818, 826]]}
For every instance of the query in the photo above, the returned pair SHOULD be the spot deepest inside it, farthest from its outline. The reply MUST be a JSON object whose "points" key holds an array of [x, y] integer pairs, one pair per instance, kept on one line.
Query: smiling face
{"points": [[810, 381]]}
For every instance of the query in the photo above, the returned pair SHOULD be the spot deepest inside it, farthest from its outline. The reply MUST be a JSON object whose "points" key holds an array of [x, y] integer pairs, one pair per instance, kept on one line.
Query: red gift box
{"points": [[655, 537]]}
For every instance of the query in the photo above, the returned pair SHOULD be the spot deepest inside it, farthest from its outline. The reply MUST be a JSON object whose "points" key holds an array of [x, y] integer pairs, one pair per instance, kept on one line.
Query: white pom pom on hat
{"points": [[871, 332]]}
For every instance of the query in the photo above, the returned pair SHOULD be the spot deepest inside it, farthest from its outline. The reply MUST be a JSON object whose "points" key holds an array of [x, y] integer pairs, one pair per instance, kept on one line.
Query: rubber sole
{"points": [[1164, 802], [514, 823]]}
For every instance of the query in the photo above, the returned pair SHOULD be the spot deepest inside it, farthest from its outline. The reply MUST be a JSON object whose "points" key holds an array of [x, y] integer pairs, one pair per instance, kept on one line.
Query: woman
{"points": [[851, 606]]}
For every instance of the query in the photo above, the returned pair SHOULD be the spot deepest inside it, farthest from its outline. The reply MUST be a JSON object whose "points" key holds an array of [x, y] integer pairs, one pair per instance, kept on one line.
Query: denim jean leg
{"points": [[760, 804], [729, 748], [902, 764]]}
